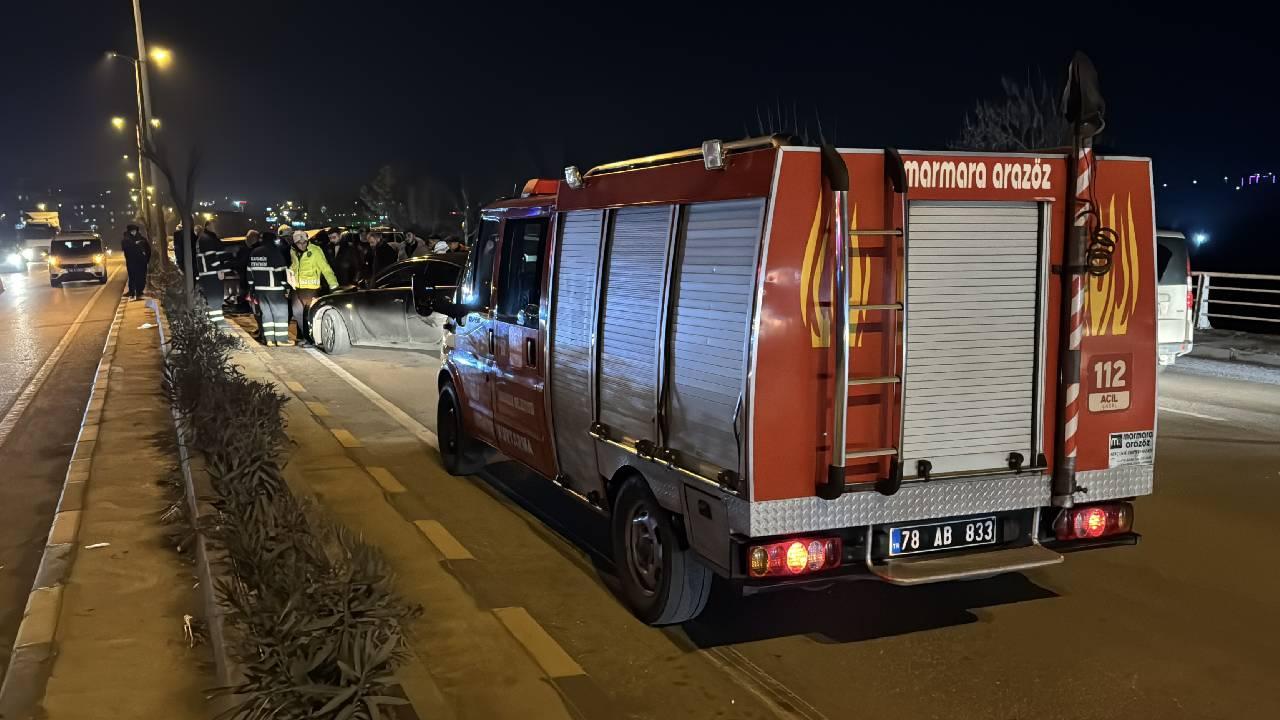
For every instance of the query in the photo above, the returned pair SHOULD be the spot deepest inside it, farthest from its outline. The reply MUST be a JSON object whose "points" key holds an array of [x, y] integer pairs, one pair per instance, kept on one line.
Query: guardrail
{"points": [[1235, 285]]}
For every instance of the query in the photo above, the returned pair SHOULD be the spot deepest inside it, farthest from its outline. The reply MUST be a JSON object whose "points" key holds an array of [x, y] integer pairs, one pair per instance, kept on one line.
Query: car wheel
{"points": [[663, 583], [53, 282], [334, 338], [461, 453]]}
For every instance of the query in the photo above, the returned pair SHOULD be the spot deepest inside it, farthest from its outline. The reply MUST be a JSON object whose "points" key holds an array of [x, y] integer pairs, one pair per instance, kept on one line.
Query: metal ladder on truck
{"points": [[894, 348]]}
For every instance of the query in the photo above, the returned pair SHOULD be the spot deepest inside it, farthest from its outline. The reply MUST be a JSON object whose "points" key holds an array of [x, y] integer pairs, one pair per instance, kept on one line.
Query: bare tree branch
{"points": [[1028, 117]]}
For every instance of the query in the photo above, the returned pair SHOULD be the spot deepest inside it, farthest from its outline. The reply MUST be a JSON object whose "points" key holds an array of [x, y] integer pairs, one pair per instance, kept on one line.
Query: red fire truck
{"points": [[784, 364]]}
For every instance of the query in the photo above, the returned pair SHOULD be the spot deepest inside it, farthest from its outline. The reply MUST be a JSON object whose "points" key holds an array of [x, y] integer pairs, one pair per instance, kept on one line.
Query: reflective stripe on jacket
{"points": [[309, 266]]}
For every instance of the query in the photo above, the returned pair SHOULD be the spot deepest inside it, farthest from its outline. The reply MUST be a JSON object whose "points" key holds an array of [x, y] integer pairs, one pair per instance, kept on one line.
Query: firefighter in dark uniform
{"points": [[209, 259], [268, 263]]}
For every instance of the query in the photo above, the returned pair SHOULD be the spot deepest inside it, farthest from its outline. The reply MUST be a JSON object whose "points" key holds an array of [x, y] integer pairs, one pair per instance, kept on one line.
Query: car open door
{"points": [[383, 309], [519, 379], [442, 278], [473, 333]]}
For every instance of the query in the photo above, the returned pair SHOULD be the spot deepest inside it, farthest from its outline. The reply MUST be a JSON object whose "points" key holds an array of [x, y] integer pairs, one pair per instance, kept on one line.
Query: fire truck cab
{"points": [[784, 364]]}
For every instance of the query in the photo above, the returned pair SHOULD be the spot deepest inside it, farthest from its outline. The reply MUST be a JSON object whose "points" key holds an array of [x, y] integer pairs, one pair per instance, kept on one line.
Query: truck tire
{"points": [[461, 453], [334, 338], [663, 583]]}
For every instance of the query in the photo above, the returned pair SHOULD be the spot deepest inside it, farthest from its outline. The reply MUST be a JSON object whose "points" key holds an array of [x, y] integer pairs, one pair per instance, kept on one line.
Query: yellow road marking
{"points": [[444, 541], [384, 477], [317, 408], [347, 439], [295, 386], [555, 662]]}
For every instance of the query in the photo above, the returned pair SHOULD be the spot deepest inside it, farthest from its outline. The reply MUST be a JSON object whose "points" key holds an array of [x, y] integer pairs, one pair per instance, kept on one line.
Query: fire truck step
{"points": [[882, 306], [871, 453], [971, 566], [879, 380], [869, 233]]}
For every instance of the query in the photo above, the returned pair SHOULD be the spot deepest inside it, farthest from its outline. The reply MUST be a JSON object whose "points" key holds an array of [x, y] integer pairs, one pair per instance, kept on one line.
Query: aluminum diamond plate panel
{"points": [[915, 501], [1121, 482]]}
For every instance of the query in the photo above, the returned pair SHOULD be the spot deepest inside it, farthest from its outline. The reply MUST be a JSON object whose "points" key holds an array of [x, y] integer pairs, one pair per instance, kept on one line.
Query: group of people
{"points": [[282, 272]]}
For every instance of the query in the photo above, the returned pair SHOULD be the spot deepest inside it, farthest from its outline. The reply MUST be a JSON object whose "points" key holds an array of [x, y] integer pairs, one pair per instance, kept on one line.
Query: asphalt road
{"points": [[1184, 625], [38, 428]]}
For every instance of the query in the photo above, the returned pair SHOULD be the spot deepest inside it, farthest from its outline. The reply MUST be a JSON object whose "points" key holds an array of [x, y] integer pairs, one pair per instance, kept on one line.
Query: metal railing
{"points": [[1208, 290]]}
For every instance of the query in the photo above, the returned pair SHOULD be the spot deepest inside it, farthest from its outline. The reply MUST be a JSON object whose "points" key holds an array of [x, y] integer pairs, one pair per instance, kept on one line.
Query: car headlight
{"points": [[14, 259], [55, 262], [28, 254], [99, 258]]}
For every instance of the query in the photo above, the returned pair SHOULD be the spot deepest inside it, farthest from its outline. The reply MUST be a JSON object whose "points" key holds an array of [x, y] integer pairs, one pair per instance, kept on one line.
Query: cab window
{"points": [[520, 287], [476, 281]]}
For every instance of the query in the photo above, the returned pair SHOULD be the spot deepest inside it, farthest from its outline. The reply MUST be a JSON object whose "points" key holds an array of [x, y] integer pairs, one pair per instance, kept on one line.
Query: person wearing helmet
{"points": [[307, 266]]}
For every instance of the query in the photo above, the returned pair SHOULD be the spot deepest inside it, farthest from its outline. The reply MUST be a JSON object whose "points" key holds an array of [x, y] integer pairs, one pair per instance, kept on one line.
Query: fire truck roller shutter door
{"points": [[713, 293], [631, 313], [973, 273], [573, 301]]}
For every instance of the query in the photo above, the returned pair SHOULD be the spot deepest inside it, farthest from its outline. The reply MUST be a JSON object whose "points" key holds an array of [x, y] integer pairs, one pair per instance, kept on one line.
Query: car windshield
{"points": [[71, 247]]}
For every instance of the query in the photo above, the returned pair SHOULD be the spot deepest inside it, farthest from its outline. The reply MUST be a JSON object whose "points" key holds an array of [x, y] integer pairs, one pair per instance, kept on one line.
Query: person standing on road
{"points": [[209, 260], [412, 247], [382, 254], [268, 266], [137, 254], [307, 266], [348, 259]]}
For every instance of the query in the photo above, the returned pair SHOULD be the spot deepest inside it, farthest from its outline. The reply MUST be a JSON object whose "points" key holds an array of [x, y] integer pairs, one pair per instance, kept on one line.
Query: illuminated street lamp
{"points": [[131, 176], [155, 122], [117, 123], [161, 57]]}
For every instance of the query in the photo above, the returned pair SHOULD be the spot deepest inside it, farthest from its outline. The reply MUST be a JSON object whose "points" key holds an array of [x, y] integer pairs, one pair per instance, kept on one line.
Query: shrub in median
{"points": [[314, 622]]}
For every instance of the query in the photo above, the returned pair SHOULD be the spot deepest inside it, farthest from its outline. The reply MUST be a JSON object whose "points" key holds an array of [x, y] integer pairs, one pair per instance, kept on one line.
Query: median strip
{"points": [[384, 478], [444, 540], [552, 658], [347, 439]]}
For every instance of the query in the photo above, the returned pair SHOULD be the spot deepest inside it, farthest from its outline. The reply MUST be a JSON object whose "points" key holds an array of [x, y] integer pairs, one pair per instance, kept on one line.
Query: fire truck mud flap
{"points": [[972, 566]]}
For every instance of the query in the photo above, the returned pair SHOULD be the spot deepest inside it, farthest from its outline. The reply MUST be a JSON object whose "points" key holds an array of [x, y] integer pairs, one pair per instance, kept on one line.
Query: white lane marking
{"points": [[1193, 414], [28, 394], [406, 421]]}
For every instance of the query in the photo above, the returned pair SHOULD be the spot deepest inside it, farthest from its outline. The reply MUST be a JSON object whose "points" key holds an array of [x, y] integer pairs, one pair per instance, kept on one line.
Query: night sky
{"points": [[294, 98]]}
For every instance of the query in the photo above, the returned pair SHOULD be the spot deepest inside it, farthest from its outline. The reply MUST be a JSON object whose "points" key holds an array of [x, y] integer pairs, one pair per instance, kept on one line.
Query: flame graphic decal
{"points": [[1112, 298], [814, 278]]}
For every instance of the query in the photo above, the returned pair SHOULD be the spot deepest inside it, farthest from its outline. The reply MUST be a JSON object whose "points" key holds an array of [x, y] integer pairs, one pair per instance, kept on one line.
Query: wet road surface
{"points": [[52, 337]]}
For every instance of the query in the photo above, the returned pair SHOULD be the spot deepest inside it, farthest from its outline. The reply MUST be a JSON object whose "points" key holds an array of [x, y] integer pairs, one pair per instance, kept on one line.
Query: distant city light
{"points": [[1194, 182], [1200, 238], [117, 122], [155, 123]]}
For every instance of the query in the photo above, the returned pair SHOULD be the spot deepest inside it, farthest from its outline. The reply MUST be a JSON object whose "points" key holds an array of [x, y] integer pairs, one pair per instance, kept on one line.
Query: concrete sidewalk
{"points": [[1253, 348], [465, 661], [113, 591]]}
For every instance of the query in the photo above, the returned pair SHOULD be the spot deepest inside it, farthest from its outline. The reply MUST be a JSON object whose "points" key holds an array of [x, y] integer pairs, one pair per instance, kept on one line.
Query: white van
{"points": [[1174, 328]]}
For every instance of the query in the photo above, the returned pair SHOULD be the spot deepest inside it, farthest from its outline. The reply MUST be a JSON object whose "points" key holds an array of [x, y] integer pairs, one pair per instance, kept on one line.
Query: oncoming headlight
{"points": [[28, 254], [99, 258], [14, 259]]}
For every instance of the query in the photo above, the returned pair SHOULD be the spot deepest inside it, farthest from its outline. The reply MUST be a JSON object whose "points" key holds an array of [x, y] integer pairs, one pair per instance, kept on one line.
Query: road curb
{"points": [[192, 466], [35, 647], [1234, 355]]}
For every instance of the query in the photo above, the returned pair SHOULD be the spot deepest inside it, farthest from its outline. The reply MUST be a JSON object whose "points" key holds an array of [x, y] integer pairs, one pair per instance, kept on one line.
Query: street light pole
{"points": [[144, 113]]}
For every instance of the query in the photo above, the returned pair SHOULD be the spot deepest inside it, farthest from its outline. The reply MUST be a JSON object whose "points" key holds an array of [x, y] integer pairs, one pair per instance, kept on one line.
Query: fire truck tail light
{"points": [[1089, 522], [798, 556]]}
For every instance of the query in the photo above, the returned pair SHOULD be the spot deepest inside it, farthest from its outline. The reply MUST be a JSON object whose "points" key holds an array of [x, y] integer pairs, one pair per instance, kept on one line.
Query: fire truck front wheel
{"points": [[461, 453], [663, 583]]}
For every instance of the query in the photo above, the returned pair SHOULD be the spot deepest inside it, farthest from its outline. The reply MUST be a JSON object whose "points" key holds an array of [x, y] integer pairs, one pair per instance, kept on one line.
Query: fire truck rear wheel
{"points": [[663, 583], [461, 453]]}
